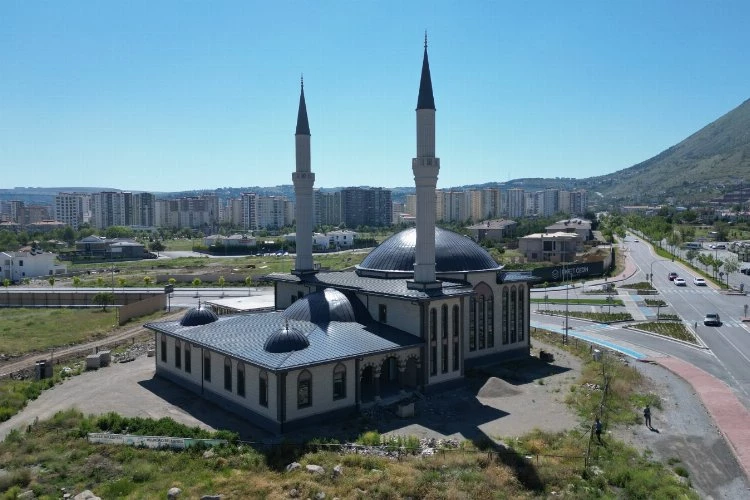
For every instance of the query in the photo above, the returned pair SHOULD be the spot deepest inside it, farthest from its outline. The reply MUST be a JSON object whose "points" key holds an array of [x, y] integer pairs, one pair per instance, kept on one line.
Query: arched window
{"points": [[521, 313], [482, 321], [456, 337], [433, 324], [444, 338], [188, 358], [177, 354], [513, 315], [207, 365], [490, 308], [240, 379], [444, 321], [339, 382], [263, 388], [472, 323], [304, 389], [228, 374], [484, 295], [506, 306], [433, 341], [163, 348]]}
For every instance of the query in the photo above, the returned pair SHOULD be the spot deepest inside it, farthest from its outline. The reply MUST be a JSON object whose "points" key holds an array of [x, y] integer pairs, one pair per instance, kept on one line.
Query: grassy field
{"points": [[676, 330], [29, 330], [598, 302], [593, 316]]}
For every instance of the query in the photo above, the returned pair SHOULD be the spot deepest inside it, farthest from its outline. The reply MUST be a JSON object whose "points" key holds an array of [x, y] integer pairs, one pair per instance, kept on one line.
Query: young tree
{"points": [[172, 281], [104, 299], [157, 246], [99, 281], [121, 282], [222, 282], [51, 280], [76, 281], [147, 280], [731, 265], [197, 282]]}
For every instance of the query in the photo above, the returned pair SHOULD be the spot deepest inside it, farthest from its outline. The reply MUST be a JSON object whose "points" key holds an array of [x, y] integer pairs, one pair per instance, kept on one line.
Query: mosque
{"points": [[420, 309]]}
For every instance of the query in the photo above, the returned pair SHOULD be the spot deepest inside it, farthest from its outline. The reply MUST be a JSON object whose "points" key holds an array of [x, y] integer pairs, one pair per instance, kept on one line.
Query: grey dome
{"points": [[322, 307], [198, 316], [453, 253], [286, 339]]}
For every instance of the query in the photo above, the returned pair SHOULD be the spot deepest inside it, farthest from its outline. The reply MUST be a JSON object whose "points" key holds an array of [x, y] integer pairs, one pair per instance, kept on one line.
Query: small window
{"points": [[339, 382], [240, 379], [188, 358], [263, 389], [177, 354], [228, 374], [433, 324], [163, 348], [207, 366], [383, 313], [304, 390]]}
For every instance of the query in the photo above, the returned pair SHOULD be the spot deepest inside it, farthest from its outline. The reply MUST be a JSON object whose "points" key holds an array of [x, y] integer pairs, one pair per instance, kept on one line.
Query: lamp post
{"points": [[652, 268], [567, 304]]}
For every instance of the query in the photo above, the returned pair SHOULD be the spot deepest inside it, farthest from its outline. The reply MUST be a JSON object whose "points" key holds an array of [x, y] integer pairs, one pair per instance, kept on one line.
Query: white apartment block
{"points": [[112, 208], [72, 209], [516, 203]]}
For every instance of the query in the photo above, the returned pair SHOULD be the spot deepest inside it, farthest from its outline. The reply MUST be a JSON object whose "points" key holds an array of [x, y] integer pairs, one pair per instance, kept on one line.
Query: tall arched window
{"points": [[304, 389], [263, 388], [228, 374], [513, 315], [177, 354], [521, 313], [472, 323], [506, 306], [444, 338], [482, 318], [207, 365], [490, 308], [484, 295], [240, 379], [188, 358], [433, 341], [339, 382], [456, 337]]}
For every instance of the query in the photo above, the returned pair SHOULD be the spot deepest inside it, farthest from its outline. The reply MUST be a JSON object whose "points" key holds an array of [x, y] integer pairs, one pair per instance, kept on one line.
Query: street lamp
{"points": [[652, 268]]}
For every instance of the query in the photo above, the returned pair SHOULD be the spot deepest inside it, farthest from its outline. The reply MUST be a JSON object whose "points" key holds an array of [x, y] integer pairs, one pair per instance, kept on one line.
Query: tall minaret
{"points": [[425, 167], [303, 180]]}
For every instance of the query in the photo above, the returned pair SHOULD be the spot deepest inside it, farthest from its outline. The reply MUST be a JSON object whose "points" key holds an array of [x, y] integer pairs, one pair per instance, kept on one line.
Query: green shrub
{"points": [[370, 438]]}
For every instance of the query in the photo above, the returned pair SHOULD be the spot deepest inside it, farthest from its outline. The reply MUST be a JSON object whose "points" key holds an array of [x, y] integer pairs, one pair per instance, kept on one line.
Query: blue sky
{"points": [[175, 95]]}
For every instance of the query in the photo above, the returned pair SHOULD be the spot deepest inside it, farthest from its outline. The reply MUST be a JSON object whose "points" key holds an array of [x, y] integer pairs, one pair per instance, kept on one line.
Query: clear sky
{"points": [[176, 95]]}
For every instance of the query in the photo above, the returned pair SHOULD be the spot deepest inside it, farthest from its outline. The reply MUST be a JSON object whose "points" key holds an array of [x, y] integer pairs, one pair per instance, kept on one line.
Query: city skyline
{"points": [[162, 99]]}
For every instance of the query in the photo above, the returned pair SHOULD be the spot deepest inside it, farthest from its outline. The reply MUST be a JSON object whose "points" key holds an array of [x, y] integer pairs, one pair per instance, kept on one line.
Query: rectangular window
{"points": [[207, 366], [303, 393], [177, 355], [490, 322], [472, 324], [433, 324], [163, 349], [444, 365], [339, 385], [455, 355], [228, 375], [263, 390], [240, 381], [188, 359], [433, 360], [382, 313], [521, 313], [481, 314]]}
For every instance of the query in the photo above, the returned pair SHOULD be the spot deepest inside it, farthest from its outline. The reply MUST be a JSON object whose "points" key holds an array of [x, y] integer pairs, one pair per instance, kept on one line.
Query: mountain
{"points": [[710, 162]]}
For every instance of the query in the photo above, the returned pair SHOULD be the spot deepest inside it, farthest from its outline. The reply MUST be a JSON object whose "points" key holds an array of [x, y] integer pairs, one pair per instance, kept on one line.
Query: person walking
{"points": [[647, 416], [598, 430]]}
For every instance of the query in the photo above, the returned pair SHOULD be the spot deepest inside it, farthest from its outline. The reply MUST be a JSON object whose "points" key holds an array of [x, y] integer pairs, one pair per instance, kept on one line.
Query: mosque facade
{"points": [[420, 309]]}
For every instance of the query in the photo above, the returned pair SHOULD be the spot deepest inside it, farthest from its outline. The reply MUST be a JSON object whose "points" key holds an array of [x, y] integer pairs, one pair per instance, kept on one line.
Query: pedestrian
{"points": [[598, 429], [647, 416]]}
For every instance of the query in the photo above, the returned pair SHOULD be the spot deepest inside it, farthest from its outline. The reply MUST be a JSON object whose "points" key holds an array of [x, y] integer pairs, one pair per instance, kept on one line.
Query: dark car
{"points": [[671, 276], [745, 270], [712, 319]]}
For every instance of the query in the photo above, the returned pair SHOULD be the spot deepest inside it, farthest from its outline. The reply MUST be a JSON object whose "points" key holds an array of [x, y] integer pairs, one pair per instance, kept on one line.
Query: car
{"points": [[712, 319], [745, 271], [720, 247], [699, 282], [636, 241], [680, 282], [671, 276]]}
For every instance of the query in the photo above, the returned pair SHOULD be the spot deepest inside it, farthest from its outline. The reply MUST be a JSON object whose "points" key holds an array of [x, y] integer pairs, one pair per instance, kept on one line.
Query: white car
{"points": [[680, 282], [699, 282]]}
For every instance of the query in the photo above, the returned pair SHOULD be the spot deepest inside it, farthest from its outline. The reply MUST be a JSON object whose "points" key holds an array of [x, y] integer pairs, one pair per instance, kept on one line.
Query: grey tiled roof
{"points": [[243, 337], [349, 280]]}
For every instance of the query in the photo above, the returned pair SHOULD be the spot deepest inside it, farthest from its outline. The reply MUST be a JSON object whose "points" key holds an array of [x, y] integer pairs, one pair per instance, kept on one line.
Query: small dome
{"points": [[198, 316], [322, 307], [286, 339], [453, 253]]}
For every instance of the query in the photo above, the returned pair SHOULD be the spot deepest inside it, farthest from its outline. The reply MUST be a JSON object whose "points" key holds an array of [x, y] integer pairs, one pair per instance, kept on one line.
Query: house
{"points": [[495, 230], [16, 266], [581, 227], [550, 247], [341, 238]]}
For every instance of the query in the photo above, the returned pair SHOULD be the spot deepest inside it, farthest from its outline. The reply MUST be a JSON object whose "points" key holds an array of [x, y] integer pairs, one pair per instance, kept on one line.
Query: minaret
{"points": [[425, 167], [303, 180]]}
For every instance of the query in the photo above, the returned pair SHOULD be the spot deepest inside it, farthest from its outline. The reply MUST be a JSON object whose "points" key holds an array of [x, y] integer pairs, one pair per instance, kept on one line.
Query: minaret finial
{"points": [[302, 80], [425, 39]]}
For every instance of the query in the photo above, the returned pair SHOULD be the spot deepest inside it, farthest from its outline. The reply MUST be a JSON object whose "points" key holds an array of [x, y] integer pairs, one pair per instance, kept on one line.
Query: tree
{"points": [[121, 282], [172, 281], [731, 265], [716, 264], [197, 282], [68, 235], [76, 281], [248, 282], [157, 246], [147, 280], [99, 281], [104, 299], [51, 280]]}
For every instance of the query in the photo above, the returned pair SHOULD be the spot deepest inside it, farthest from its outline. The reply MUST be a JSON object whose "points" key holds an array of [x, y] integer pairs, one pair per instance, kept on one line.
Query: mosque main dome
{"points": [[454, 253]]}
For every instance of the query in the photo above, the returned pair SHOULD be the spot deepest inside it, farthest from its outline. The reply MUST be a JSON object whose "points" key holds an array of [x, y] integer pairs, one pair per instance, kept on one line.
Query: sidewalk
{"points": [[730, 416]]}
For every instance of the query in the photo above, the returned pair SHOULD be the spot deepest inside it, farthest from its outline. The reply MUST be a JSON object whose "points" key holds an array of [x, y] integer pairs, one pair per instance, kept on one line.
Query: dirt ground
{"points": [[497, 402]]}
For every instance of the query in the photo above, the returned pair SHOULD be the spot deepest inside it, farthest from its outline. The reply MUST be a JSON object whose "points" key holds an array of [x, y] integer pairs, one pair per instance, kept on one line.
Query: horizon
{"points": [[172, 96]]}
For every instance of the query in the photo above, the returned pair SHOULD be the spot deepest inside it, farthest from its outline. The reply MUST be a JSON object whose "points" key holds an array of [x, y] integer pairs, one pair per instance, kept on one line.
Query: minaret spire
{"points": [[303, 179], [426, 168]]}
